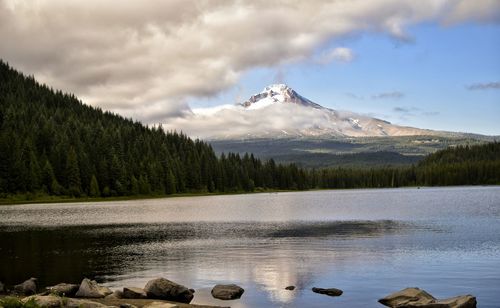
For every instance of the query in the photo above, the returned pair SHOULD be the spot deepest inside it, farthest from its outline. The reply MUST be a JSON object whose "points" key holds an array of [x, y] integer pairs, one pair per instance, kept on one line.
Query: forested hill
{"points": [[52, 143]]}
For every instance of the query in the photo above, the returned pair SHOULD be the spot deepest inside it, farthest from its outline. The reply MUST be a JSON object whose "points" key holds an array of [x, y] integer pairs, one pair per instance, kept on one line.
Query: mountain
{"points": [[279, 111]]}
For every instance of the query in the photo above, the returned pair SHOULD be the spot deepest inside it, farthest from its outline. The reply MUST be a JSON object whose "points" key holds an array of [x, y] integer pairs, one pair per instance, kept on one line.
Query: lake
{"points": [[369, 243]]}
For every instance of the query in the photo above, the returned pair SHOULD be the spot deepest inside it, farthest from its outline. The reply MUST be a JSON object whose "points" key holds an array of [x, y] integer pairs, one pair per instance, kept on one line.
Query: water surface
{"points": [[368, 243]]}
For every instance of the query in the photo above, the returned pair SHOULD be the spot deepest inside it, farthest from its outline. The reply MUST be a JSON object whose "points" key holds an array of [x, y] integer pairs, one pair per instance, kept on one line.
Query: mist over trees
{"points": [[53, 144]]}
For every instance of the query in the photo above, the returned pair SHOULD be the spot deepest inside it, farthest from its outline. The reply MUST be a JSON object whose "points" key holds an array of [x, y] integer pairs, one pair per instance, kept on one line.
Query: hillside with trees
{"points": [[51, 144]]}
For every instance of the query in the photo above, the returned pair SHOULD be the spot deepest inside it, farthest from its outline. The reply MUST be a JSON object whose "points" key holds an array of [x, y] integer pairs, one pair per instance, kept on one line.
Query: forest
{"points": [[52, 144]]}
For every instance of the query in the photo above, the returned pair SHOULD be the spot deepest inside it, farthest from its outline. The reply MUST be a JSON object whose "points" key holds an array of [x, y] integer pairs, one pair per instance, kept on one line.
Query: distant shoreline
{"points": [[66, 199]]}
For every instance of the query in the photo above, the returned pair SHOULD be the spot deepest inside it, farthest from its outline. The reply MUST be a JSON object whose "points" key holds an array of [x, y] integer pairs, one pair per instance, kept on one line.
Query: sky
{"points": [[430, 64]]}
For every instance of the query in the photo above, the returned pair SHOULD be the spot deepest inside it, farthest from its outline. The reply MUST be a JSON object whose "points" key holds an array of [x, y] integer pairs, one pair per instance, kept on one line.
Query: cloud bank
{"points": [[147, 59]]}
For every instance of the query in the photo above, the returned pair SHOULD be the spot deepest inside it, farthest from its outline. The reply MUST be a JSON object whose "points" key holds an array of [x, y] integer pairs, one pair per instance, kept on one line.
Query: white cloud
{"points": [[339, 54], [146, 59]]}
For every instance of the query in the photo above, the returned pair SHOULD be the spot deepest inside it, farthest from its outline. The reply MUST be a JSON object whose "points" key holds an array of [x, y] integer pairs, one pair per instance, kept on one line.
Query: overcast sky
{"points": [[428, 63]]}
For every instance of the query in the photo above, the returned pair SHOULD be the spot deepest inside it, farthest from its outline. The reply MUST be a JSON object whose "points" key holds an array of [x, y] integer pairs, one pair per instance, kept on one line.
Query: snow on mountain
{"points": [[277, 93], [280, 112]]}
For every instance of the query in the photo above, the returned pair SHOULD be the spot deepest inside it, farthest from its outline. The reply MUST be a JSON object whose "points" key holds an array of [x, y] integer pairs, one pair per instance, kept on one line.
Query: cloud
{"points": [[484, 86], [339, 54], [389, 95], [147, 59], [401, 109], [354, 96], [405, 112]]}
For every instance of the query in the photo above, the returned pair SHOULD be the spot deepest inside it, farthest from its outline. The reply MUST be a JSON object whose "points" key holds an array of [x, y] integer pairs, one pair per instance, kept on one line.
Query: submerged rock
{"points": [[160, 305], [134, 293], [415, 297], [329, 292], [227, 291], [26, 288], [162, 288], [126, 305], [115, 295], [63, 289], [90, 288], [290, 288]]}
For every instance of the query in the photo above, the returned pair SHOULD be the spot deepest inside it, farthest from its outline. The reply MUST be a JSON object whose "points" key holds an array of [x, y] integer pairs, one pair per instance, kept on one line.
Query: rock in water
{"points": [[125, 305], [134, 293], [462, 301], [115, 295], [329, 292], [160, 305], [227, 291], [162, 288], [64, 289], [415, 297], [290, 288], [90, 288], [26, 288]]}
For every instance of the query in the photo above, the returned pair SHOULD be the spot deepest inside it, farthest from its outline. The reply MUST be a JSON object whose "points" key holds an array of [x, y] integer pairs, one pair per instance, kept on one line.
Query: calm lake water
{"points": [[368, 243]]}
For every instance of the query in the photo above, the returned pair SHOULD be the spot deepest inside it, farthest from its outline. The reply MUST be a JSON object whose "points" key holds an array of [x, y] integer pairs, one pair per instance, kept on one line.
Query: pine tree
{"points": [[73, 173], [170, 182], [47, 176], [94, 187]]}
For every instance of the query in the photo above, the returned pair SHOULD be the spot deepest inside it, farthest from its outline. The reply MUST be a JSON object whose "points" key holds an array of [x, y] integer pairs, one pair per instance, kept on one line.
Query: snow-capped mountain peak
{"points": [[277, 93], [280, 112]]}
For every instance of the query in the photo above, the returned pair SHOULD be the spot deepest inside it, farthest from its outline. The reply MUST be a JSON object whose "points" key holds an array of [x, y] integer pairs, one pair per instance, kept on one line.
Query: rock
{"points": [[408, 296], [83, 303], [162, 288], [192, 290], [64, 289], [462, 301], [54, 301], [126, 305], [134, 293], [160, 305], [90, 288], [49, 301], [290, 288], [329, 292], [26, 288], [415, 297], [227, 291], [115, 295]]}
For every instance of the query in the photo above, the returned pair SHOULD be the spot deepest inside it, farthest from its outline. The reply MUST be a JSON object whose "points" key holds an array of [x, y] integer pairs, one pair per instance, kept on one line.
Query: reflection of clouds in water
{"points": [[274, 276], [265, 256]]}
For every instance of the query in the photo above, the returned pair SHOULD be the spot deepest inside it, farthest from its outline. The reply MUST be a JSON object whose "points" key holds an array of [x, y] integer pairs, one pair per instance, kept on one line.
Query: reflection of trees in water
{"points": [[271, 255]]}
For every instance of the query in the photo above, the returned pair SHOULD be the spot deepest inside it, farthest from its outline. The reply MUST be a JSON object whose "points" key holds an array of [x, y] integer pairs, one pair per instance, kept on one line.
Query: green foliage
{"points": [[94, 187], [14, 302]]}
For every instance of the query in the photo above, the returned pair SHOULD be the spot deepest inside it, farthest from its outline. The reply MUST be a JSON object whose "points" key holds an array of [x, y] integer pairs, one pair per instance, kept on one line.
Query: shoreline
{"points": [[66, 199]]}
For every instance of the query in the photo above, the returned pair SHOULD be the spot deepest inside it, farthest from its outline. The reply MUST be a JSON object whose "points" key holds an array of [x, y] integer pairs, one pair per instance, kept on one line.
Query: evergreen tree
{"points": [[73, 173], [94, 187]]}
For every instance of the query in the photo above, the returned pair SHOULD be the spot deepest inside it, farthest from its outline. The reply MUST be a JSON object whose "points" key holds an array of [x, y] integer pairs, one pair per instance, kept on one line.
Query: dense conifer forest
{"points": [[51, 144]]}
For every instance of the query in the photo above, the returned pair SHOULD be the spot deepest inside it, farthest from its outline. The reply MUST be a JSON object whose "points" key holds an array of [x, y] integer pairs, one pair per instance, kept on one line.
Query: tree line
{"points": [[53, 144]]}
